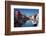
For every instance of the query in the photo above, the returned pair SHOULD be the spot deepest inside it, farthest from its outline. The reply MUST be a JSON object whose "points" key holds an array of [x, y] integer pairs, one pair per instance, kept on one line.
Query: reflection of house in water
{"points": [[34, 19], [19, 19]]}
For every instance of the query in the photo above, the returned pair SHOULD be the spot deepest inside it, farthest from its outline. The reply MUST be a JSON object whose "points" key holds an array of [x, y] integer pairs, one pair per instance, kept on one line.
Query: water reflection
{"points": [[28, 24]]}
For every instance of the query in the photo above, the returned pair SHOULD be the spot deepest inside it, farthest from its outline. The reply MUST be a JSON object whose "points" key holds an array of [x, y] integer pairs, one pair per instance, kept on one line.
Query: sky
{"points": [[27, 12]]}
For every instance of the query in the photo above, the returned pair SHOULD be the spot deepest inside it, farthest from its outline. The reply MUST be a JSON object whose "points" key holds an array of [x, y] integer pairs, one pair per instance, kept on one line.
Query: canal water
{"points": [[28, 24]]}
